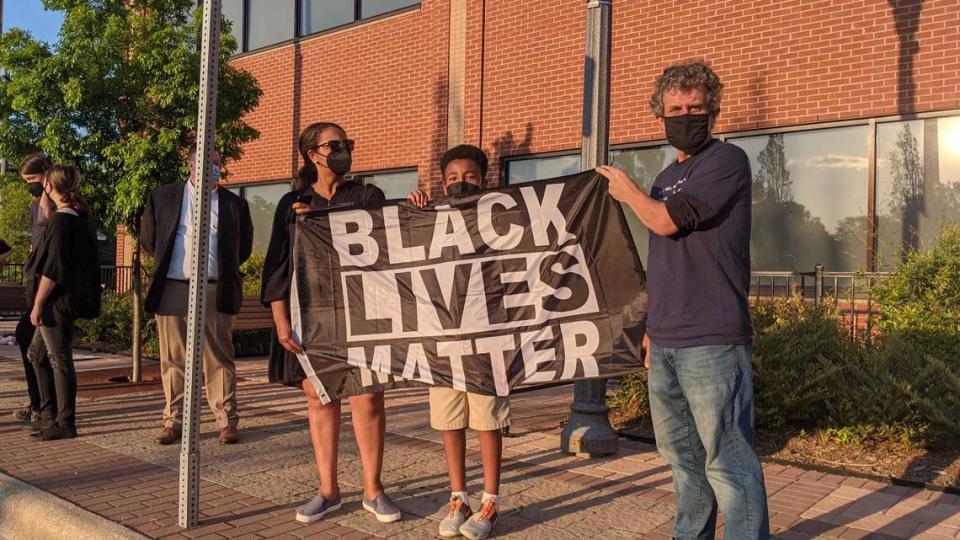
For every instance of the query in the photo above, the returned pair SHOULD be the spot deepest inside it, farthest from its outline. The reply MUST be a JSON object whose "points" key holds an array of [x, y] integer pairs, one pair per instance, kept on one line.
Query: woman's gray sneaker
{"points": [[317, 508], [383, 508]]}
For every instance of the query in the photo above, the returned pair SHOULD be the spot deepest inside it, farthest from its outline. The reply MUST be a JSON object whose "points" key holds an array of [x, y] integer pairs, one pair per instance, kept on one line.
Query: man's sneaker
{"points": [[479, 526], [57, 432], [383, 508], [458, 513], [317, 508]]}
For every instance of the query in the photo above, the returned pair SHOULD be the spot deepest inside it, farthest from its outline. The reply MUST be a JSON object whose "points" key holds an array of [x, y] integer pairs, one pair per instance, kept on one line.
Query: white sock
{"points": [[487, 496], [462, 495]]}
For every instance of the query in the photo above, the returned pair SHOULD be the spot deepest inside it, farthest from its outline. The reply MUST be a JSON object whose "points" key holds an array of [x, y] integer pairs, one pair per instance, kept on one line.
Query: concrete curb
{"points": [[30, 512]]}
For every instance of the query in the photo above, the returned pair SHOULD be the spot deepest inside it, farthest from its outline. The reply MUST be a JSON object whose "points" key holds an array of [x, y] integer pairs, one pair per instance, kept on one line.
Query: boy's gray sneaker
{"points": [[458, 513], [479, 526], [317, 508], [383, 508]]}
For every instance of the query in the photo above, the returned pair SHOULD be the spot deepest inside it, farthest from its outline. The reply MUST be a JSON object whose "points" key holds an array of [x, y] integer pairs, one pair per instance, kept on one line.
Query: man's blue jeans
{"points": [[701, 401]]}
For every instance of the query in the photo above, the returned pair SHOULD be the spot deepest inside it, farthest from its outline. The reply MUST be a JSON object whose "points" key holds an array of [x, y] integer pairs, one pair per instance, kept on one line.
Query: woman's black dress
{"points": [[285, 368]]}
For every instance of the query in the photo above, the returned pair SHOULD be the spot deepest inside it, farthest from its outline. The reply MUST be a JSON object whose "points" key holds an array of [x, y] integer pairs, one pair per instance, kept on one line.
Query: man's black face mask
{"points": [[687, 132], [462, 188]]}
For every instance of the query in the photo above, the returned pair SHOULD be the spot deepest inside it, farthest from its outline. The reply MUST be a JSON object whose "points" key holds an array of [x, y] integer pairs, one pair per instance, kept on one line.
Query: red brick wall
{"points": [[783, 62], [384, 81]]}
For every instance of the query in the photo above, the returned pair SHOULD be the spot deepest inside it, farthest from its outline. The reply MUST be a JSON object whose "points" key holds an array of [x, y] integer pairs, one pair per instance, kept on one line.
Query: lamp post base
{"points": [[588, 434]]}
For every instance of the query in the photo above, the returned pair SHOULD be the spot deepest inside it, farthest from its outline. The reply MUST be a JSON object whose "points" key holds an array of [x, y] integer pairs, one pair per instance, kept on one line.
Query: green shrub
{"points": [[810, 373], [799, 351], [15, 224], [113, 329], [920, 304], [252, 271]]}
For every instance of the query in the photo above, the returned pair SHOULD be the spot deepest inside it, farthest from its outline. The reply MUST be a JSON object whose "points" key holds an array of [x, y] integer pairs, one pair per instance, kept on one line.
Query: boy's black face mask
{"points": [[462, 188]]}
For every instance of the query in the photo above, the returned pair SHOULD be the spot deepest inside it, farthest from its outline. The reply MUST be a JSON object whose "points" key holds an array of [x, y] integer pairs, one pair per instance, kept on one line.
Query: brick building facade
{"points": [[824, 96]]}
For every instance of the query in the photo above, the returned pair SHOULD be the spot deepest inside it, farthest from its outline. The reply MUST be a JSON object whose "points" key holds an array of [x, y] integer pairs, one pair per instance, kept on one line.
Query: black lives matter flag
{"points": [[485, 293]]}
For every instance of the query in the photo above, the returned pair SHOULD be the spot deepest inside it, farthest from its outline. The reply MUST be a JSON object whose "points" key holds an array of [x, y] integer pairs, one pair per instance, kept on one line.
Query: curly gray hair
{"points": [[687, 76]]}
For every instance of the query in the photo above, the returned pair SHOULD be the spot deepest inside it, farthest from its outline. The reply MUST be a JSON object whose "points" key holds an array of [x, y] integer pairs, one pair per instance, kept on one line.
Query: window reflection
{"points": [[319, 15], [520, 171], [395, 185], [271, 21], [918, 184], [232, 11], [642, 165], [263, 200], [809, 199], [372, 8]]}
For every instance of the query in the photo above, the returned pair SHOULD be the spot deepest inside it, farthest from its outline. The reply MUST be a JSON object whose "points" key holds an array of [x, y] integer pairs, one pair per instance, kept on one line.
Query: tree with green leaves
{"points": [[117, 96]]}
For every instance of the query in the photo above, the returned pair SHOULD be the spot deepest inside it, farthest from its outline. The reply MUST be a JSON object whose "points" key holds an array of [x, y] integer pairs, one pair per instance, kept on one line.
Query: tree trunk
{"points": [[136, 352]]}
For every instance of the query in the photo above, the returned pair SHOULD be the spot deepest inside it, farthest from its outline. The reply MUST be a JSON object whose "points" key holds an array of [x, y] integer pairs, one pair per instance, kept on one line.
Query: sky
{"points": [[30, 15]]}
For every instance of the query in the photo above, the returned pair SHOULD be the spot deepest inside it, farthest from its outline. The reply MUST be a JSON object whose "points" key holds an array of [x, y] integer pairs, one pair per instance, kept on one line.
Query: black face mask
{"points": [[35, 188], [339, 162], [462, 188], [687, 132]]}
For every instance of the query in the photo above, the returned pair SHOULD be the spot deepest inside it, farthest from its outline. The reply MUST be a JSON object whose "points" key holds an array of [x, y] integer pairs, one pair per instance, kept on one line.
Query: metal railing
{"points": [[852, 291], [112, 277]]}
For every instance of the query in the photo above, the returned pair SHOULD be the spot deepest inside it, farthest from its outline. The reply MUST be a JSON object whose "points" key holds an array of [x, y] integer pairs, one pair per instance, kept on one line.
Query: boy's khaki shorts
{"points": [[453, 409]]}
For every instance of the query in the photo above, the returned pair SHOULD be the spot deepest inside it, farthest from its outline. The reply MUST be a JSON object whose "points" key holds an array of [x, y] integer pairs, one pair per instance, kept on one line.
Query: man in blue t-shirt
{"points": [[699, 333]]}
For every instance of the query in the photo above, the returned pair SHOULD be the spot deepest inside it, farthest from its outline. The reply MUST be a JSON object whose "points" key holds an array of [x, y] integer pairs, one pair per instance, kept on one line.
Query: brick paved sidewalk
{"points": [[252, 490]]}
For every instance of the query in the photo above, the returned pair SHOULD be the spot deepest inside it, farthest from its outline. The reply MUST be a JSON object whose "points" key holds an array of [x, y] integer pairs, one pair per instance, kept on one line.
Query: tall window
{"points": [[319, 15], [809, 199], [372, 8], [540, 168], [394, 184], [270, 22], [918, 184], [263, 201], [232, 10]]}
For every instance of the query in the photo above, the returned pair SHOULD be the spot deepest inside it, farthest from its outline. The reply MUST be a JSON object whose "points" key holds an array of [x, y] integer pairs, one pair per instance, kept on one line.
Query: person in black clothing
{"points": [[326, 153], [65, 275], [5, 251], [32, 170]]}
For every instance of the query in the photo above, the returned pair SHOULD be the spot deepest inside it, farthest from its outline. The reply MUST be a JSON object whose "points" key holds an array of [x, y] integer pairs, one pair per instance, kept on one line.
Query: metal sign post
{"points": [[588, 433], [189, 515]]}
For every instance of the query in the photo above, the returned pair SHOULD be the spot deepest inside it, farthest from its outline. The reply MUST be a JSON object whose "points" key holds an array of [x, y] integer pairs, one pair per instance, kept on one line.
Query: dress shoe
{"points": [[57, 432], [167, 436], [229, 435]]}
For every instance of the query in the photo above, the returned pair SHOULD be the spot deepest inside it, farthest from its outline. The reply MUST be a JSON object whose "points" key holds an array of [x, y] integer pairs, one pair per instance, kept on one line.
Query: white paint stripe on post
{"points": [[189, 506]]}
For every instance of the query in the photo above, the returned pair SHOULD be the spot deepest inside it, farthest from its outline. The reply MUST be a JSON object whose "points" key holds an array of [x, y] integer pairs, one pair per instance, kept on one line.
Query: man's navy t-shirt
{"points": [[698, 279]]}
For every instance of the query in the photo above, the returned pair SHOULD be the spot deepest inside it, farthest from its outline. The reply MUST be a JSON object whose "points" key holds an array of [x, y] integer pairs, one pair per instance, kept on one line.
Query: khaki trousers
{"points": [[219, 371]]}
